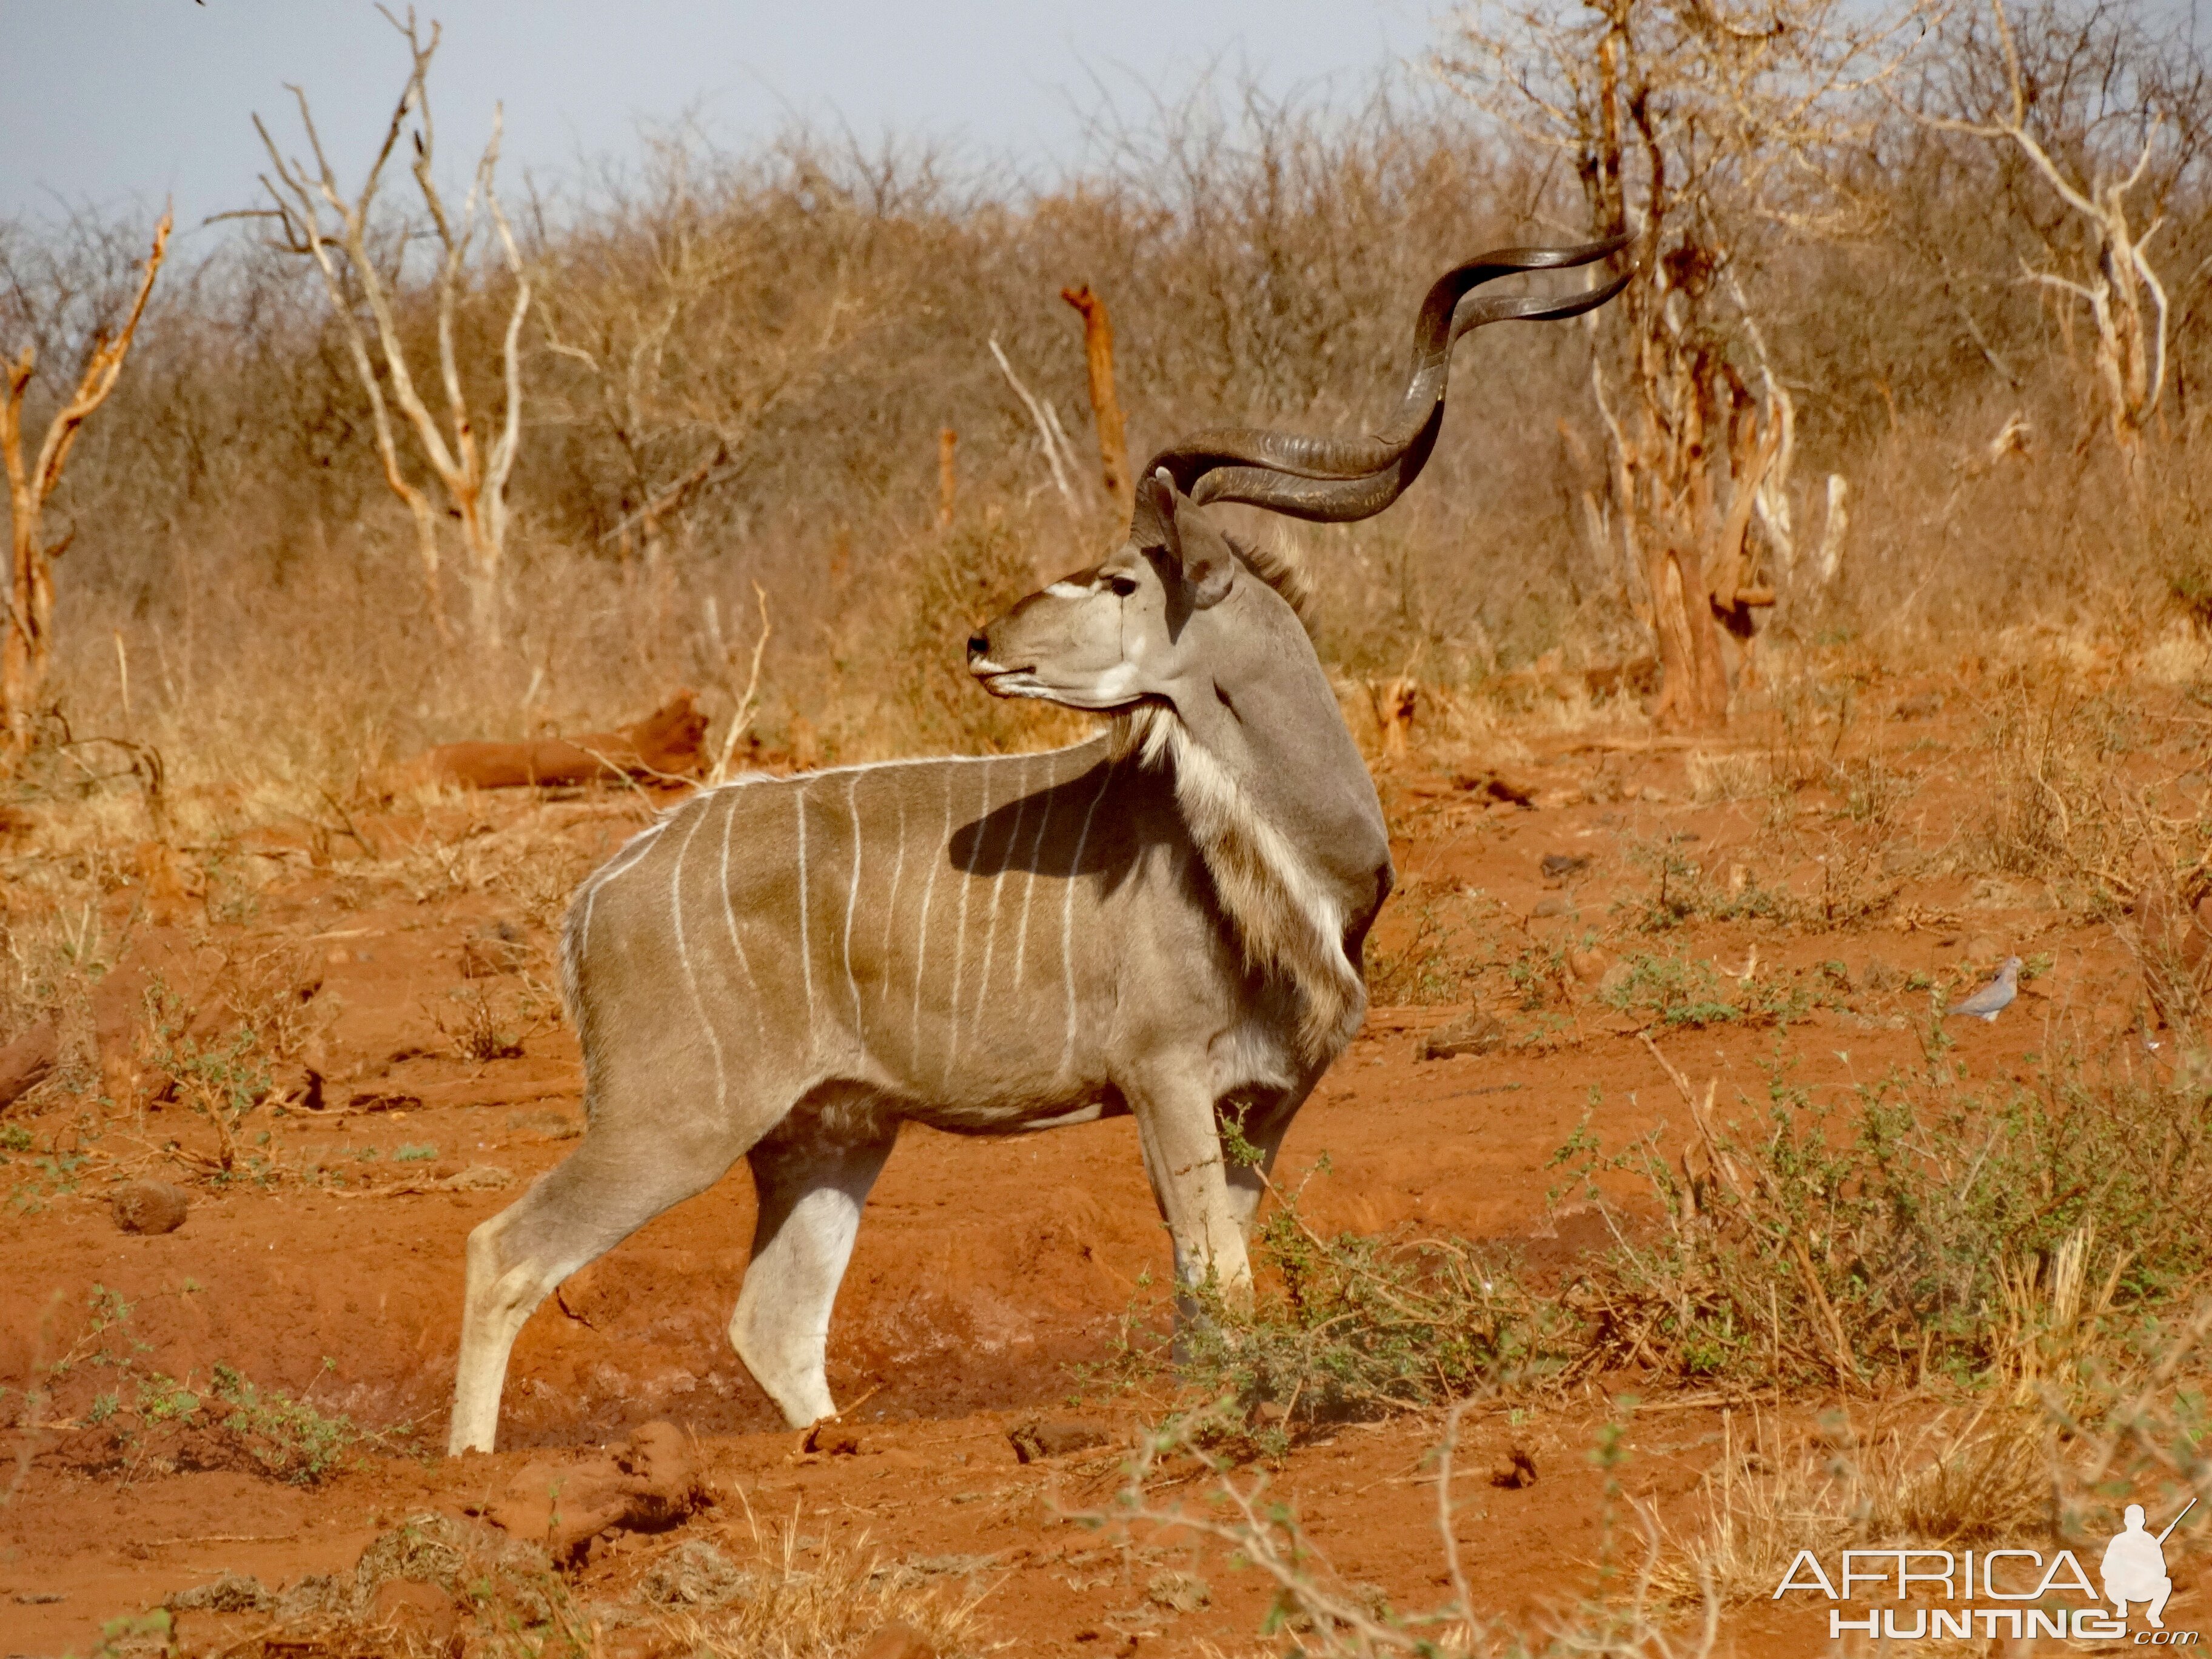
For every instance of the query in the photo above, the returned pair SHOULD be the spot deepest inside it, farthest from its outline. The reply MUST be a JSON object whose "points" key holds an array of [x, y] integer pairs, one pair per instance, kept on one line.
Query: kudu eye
{"points": [[1120, 587]]}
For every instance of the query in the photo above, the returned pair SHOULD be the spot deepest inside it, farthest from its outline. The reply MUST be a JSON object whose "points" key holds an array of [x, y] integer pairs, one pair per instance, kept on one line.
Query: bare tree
{"points": [[1713, 128], [2107, 121], [26, 629], [319, 220]]}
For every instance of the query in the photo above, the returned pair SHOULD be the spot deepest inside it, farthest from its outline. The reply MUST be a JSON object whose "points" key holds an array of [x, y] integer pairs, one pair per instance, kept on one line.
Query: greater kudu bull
{"points": [[1166, 921]]}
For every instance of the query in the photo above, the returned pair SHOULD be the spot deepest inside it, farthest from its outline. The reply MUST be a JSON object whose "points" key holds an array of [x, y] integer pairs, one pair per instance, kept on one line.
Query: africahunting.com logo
{"points": [[2132, 1576]]}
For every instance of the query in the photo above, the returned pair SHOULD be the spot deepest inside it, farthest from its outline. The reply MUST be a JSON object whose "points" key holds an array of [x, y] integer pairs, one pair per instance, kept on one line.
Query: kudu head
{"points": [[1158, 619]]}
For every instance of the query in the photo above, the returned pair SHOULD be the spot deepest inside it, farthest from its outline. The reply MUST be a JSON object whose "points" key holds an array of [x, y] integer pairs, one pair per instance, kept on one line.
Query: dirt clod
{"points": [[150, 1207], [1517, 1471], [647, 1485]]}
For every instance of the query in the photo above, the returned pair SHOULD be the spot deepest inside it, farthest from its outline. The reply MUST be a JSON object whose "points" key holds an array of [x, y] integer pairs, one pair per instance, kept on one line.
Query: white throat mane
{"points": [[1285, 918]]}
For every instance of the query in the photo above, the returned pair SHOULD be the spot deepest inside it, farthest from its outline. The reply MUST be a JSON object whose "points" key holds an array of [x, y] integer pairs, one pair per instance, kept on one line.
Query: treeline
{"points": [[736, 369]]}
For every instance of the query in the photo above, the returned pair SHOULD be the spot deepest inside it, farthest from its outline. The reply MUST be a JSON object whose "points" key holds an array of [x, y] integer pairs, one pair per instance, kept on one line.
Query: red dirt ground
{"points": [[985, 1271]]}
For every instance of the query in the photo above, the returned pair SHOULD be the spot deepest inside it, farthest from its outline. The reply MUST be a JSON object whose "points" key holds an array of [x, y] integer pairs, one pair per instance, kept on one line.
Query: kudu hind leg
{"points": [[812, 1193], [608, 1189]]}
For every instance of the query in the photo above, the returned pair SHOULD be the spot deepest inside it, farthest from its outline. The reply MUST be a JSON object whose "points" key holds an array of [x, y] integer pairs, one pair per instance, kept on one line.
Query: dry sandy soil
{"points": [[327, 1264]]}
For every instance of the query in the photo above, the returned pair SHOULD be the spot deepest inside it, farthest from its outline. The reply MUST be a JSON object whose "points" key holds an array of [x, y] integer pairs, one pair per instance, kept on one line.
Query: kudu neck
{"points": [[1274, 793]]}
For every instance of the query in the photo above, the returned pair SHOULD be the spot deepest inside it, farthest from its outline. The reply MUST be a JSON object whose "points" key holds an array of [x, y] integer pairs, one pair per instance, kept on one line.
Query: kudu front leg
{"points": [[1181, 1145], [1262, 1124]]}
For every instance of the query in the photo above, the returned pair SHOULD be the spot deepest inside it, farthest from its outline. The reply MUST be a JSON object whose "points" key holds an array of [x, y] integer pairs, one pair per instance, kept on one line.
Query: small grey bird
{"points": [[1994, 998]]}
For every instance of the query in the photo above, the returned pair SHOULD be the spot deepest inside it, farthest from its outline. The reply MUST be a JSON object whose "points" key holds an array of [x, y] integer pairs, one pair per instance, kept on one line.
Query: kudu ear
{"points": [[1209, 567]]}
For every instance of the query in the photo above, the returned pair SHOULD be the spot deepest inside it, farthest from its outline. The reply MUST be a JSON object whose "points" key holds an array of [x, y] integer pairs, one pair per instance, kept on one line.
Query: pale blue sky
{"points": [[119, 102]]}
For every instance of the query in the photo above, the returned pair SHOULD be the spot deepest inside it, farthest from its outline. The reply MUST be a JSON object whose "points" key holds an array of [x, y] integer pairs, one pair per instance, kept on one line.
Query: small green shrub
{"points": [[1676, 990]]}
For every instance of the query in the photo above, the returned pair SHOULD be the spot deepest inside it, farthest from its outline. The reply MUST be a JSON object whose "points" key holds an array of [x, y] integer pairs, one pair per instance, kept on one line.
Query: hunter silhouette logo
{"points": [[2038, 1589], [2134, 1567]]}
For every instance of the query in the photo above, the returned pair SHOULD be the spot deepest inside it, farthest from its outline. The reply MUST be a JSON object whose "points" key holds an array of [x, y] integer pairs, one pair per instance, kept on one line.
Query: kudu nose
{"points": [[978, 646]]}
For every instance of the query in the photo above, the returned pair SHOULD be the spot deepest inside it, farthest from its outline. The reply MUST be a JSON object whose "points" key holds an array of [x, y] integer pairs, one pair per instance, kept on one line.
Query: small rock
{"points": [[899, 1640], [1653, 794], [1558, 866], [1517, 1471], [1588, 965], [1555, 906], [1035, 1441], [233, 1592], [1476, 1033], [1184, 1592], [150, 1207]]}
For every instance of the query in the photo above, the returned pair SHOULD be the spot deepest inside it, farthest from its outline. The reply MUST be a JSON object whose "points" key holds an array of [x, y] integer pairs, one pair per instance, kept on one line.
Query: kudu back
{"points": [[1166, 921]]}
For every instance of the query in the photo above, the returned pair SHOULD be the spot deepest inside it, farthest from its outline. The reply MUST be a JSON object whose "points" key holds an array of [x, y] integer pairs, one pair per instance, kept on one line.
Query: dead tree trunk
{"points": [[26, 630], [316, 220], [1105, 406], [1693, 124]]}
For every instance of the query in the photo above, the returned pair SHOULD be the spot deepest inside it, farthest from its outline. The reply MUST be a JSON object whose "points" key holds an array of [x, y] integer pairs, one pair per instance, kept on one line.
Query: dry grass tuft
{"points": [[1951, 1479]]}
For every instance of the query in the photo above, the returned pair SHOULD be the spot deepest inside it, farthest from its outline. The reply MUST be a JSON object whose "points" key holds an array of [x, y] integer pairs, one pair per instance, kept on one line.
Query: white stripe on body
{"points": [[683, 955], [852, 896], [890, 906], [730, 920], [921, 945], [998, 889], [1067, 922], [1029, 887], [805, 939], [960, 948], [625, 859]]}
